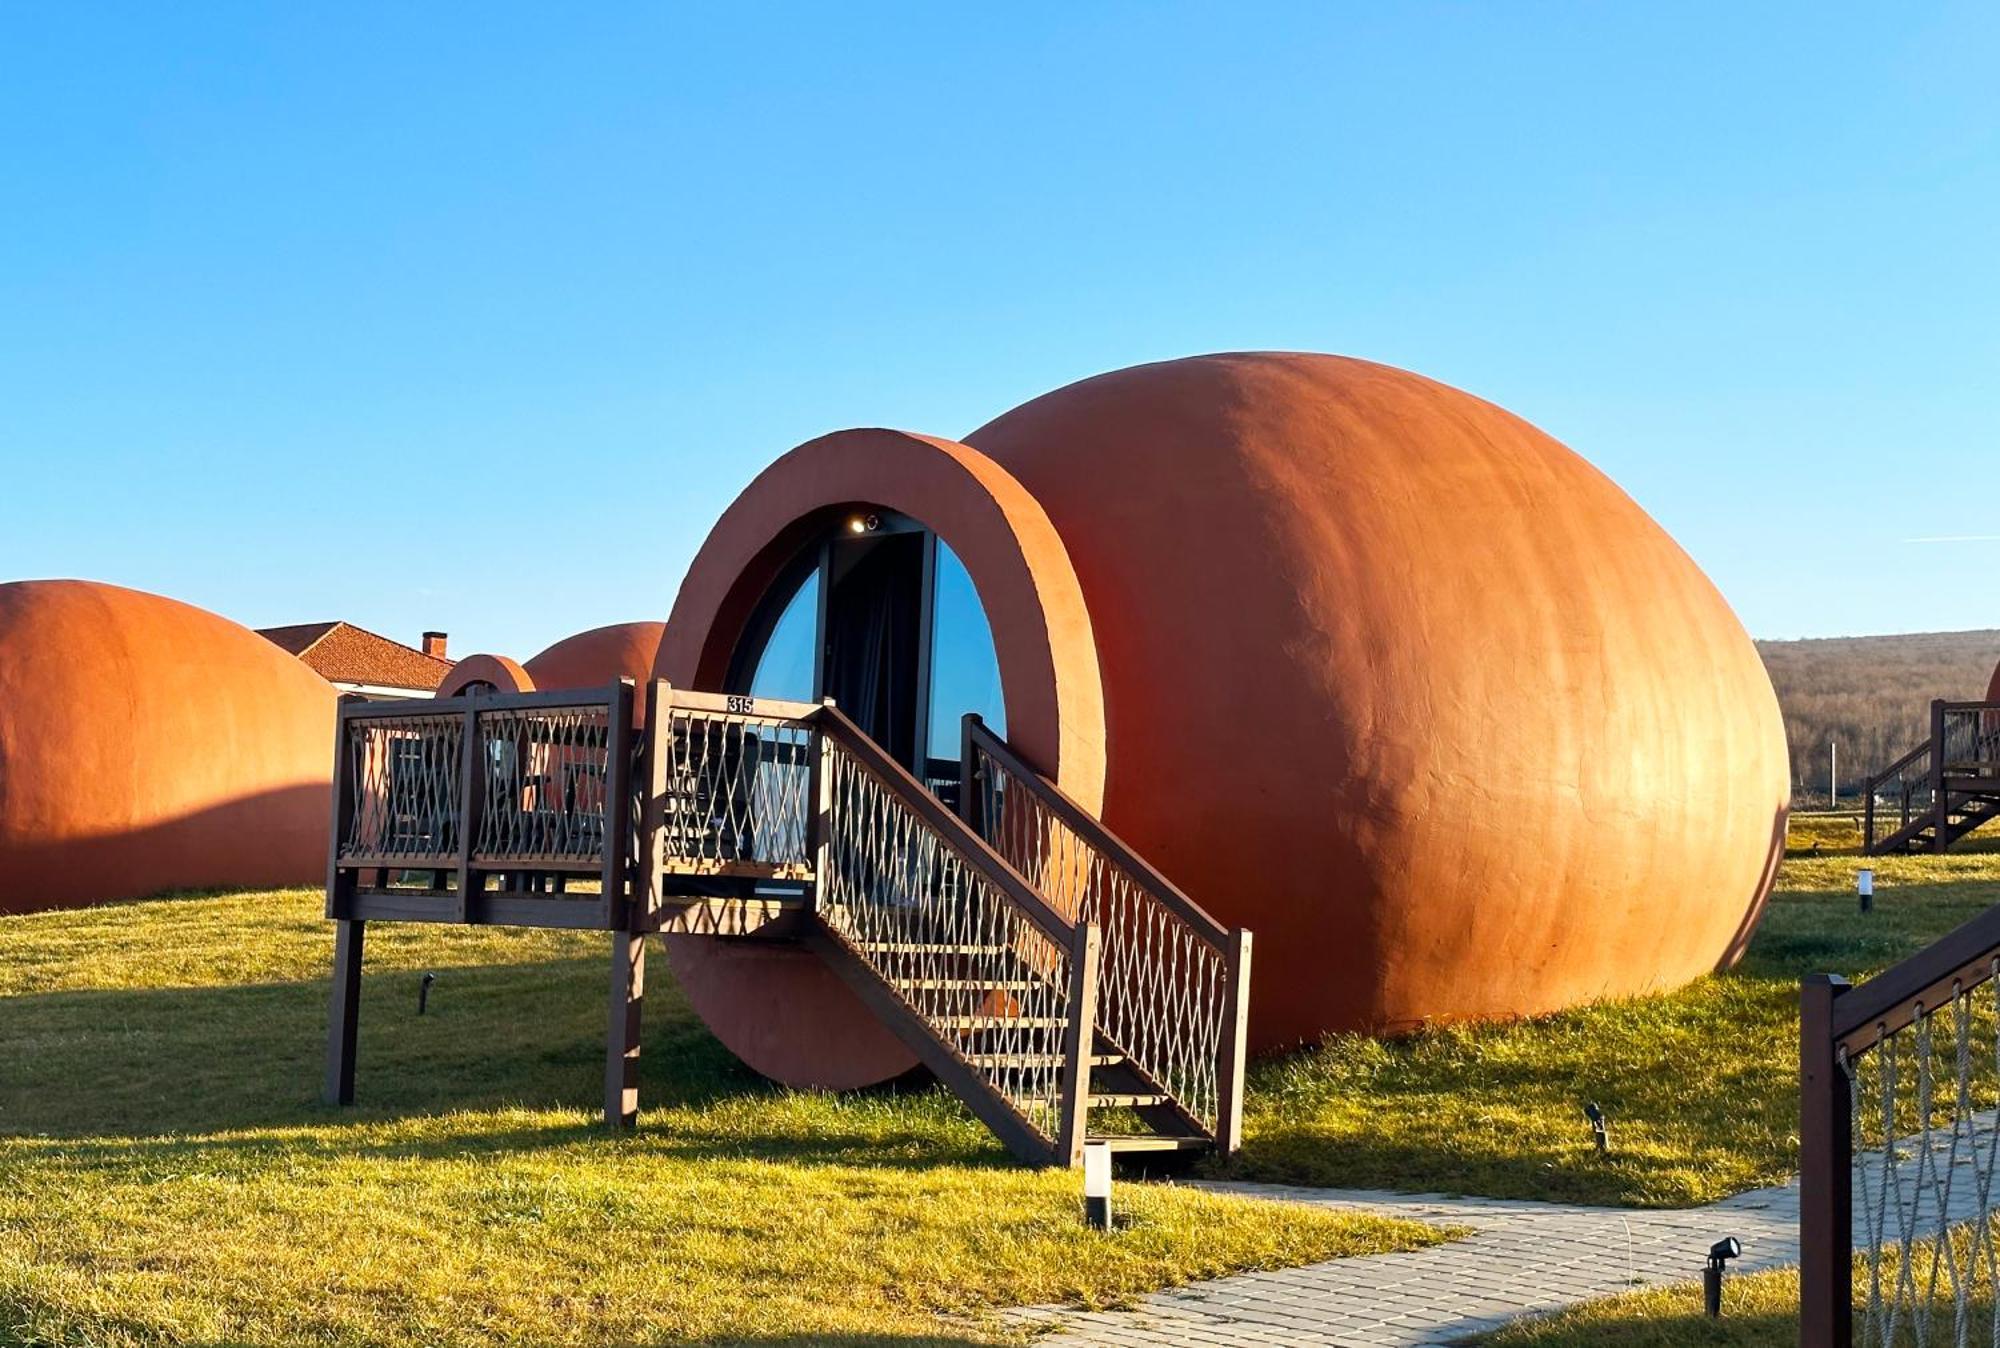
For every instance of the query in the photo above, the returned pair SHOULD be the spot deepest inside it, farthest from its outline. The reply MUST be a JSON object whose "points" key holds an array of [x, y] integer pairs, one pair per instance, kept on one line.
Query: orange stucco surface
{"points": [[147, 745], [1375, 669], [1993, 687], [1400, 683]]}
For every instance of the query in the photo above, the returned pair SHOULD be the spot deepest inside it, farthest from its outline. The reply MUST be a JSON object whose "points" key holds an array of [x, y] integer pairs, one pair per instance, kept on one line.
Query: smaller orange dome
{"points": [[588, 659]]}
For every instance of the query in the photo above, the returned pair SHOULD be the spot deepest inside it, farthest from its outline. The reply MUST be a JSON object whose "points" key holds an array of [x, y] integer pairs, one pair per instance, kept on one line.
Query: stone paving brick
{"points": [[1521, 1257]]}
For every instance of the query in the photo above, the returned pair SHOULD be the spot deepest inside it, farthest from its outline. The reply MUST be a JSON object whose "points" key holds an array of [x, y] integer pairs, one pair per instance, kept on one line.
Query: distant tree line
{"points": [[1872, 695]]}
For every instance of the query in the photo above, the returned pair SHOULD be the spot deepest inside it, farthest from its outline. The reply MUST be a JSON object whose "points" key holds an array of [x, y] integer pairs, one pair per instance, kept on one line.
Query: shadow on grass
{"points": [[1760, 1330], [137, 1070]]}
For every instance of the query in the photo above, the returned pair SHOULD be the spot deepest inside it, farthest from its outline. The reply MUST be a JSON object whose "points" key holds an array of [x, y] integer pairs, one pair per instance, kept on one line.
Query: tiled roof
{"points": [[343, 653]]}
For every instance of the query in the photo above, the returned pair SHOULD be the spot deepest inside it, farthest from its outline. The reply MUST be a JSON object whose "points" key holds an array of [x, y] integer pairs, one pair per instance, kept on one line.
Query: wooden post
{"points": [[1826, 1174], [621, 1047], [1235, 1043], [1079, 1042], [614, 877], [471, 804], [343, 1012], [1940, 807], [340, 884], [1868, 818], [819, 810], [658, 757], [968, 772]]}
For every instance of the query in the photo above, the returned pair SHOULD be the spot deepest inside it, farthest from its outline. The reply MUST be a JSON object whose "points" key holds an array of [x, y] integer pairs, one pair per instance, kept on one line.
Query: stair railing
{"points": [[1899, 1078], [963, 942], [1174, 989], [1961, 758]]}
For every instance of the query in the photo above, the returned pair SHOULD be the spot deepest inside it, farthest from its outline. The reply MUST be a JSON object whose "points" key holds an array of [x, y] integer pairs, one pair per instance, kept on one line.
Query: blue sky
{"points": [[475, 316]]}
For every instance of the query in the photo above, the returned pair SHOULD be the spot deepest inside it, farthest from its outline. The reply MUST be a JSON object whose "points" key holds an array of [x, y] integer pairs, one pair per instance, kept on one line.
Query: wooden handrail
{"points": [[1962, 957], [455, 706], [1087, 826], [954, 832]]}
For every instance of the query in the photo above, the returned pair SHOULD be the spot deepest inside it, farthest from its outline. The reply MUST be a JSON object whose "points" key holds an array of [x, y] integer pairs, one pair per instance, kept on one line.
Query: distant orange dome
{"points": [[1993, 688], [147, 745], [595, 657], [1369, 665]]}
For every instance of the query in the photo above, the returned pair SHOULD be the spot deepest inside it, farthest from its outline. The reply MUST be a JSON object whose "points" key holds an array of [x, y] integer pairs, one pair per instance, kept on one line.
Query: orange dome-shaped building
{"points": [[585, 660], [1362, 662], [147, 745]]}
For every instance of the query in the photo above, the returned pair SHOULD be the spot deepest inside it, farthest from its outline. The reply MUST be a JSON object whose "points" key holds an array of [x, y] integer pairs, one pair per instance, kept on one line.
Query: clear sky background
{"points": [[476, 316]]}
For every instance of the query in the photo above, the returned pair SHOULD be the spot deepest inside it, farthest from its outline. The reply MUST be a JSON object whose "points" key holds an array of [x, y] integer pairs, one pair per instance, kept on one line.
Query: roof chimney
{"points": [[434, 645]]}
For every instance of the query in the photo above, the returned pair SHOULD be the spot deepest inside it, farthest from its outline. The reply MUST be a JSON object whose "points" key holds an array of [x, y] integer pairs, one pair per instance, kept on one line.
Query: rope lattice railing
{"points": [[1923, 1101], [939, 931], [737, 791], [1972, 741], [1164, 992], [405, 777], [543, 796]]}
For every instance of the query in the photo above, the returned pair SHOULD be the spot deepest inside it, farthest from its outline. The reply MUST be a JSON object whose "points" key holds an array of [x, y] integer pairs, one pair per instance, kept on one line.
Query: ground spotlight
{"points": [[1097, 1185], [1600, 1127], [424, 991], [1719, 1255]]}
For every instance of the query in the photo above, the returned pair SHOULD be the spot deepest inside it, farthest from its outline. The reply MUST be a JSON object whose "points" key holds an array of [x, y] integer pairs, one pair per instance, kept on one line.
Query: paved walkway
{"points": [[1522, 1257]]}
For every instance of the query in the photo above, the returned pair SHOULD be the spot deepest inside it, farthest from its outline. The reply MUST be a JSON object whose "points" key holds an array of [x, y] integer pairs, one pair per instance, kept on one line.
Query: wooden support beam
{"points": [[1235, 1043], [1079, 1042], [621, 1045], [343, 1012]]}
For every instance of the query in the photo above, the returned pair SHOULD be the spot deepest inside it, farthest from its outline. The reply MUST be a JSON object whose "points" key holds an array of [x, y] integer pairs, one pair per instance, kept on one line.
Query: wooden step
{"points": [[969, 984], [974, 1023], [1152, 1142], [1038, 1060], [916, 948], [1128, 1099]]}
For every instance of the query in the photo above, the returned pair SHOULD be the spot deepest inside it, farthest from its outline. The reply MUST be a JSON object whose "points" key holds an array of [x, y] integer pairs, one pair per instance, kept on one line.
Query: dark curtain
{"points": [[872, 649]]}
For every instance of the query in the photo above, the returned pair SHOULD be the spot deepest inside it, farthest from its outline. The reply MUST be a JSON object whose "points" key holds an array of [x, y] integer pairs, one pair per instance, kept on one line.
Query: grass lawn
{"points": [[1700, 1085], [166, 1174]]}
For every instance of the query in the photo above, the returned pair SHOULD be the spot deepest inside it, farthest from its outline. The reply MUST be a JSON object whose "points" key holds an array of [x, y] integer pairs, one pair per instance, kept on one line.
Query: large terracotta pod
{"points": [[147, 745], [1993, 686], [1379, 671]]}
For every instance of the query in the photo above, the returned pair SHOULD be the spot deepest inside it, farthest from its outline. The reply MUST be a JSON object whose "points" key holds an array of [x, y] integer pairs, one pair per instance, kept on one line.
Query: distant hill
{"points": [[1871, 694]]}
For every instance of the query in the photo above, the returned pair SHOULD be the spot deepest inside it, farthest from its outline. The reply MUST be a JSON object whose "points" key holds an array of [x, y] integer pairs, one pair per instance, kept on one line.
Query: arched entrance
{"points": [[880, 614], [787, 597]]}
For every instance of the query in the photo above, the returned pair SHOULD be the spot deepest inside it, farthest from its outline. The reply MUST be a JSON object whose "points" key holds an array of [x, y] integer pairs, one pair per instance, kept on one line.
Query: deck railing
{"points": [[509, 795], [1899, 1097], [1174, 987]]}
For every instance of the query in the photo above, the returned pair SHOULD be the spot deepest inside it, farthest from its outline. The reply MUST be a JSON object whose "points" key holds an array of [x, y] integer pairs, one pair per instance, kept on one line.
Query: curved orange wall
{"points": [[147, 745], [1993, 688], [1405, 686]]}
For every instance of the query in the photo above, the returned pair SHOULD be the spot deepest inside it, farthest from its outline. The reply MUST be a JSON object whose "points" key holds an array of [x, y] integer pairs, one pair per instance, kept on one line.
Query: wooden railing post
{"points": [[819, 805], [1826, 1173], [969, 794], [1868, 817], [1940, 806], [1235, 1044], [1079, 1041], [652, 842], [471, 803]]}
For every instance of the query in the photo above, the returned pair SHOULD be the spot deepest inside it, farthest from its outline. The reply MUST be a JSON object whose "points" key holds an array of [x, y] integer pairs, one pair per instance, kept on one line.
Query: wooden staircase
{"points": [[1940, 791], [1060, 986]]}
